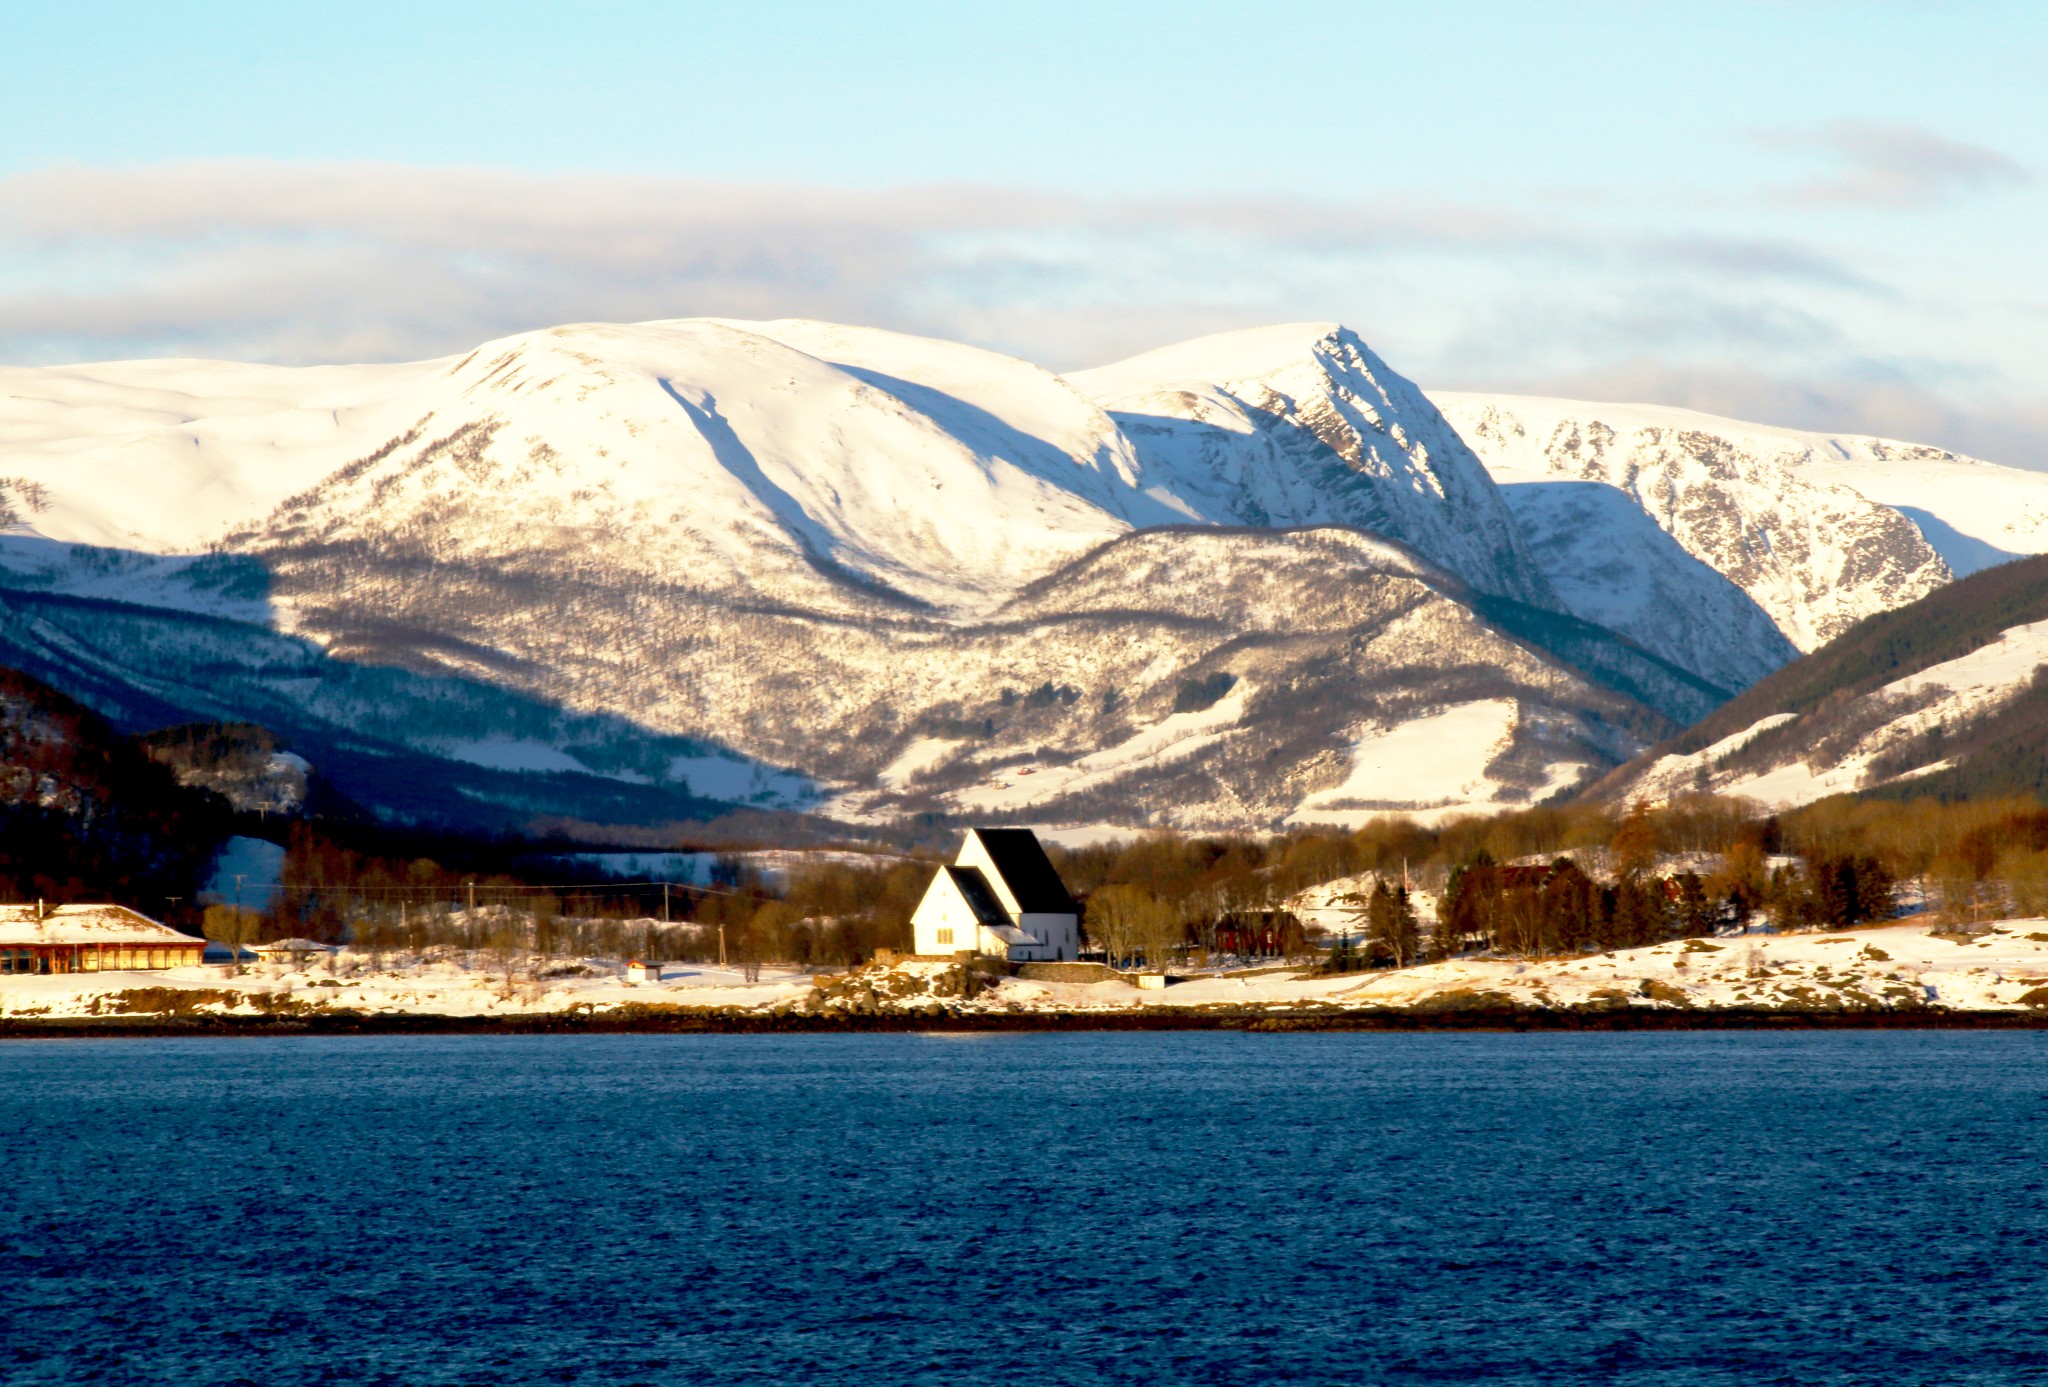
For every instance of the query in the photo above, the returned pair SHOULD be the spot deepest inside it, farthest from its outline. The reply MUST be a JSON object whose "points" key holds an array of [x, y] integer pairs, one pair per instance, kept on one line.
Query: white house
{"points": [[1000, 897]]}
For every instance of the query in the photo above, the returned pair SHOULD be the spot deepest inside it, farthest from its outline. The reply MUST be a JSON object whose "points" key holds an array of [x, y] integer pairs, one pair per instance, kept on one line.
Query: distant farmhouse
{"points": [[90, 939], [1001, 897]]}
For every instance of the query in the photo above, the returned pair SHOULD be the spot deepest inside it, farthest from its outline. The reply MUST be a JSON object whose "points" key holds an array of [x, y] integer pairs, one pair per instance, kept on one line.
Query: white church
{"points": [[1001, 897]]}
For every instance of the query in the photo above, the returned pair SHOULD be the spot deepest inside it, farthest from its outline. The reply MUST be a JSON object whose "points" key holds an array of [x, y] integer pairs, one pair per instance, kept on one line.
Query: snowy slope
{"points": [[167, 456], [1440, 765], [1301, 424], [1974, 513], [1756, 506], [761, 453], [1308, 643], [612, 572], [714, 455], [1609, 562], [1899, 717]]}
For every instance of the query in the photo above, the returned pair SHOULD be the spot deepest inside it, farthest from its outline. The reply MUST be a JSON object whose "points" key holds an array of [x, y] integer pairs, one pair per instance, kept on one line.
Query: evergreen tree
{"points": [[1407, 935], [1696, 916], [1380, 932]]}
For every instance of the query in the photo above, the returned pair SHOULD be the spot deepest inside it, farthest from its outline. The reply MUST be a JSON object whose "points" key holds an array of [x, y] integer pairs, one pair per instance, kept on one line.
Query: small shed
{"points": [[90, 939], [295, 953]]}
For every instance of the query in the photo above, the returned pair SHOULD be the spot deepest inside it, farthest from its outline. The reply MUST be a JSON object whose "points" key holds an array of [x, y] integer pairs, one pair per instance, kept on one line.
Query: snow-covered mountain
{"points": [[633, 573], [627, 570], [1808, 532], [704, 446], [1301, 424], [1751, 505]]}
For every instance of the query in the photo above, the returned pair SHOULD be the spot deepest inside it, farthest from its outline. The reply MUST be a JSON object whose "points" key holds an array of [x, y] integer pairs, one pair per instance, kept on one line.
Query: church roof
{"points": [[1027, 871], [981, 897]]}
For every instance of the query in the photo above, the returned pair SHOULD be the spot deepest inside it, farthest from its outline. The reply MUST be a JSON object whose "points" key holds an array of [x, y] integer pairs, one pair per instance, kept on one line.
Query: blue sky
{"points": [[1810, 213]]}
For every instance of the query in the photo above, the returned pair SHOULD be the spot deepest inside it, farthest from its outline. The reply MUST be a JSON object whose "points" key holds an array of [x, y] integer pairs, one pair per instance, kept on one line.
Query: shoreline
{"points": [[715, 1021], [1891, 977]]}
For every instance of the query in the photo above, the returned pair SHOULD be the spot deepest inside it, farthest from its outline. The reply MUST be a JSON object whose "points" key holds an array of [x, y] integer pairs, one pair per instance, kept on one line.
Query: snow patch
{"points": [[742, 781], [508, 754], [1430, 768], [258, 862]]}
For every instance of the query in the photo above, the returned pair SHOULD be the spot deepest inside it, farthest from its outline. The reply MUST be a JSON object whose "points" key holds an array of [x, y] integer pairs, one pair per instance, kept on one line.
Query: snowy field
{"points": [[2003, 967], [441, 987]]}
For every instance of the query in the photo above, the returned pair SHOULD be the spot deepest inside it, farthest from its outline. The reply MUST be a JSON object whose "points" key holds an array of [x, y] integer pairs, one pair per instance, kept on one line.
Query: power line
{"points": [[581, 887]]}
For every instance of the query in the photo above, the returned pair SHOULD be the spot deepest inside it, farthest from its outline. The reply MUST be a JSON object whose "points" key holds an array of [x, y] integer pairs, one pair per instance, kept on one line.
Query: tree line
{"points": [[1530, 882]]}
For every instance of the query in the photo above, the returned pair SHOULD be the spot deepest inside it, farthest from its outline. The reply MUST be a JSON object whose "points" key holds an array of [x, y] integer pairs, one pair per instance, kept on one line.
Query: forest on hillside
{"points": [[86, 814], [1951, 622]]}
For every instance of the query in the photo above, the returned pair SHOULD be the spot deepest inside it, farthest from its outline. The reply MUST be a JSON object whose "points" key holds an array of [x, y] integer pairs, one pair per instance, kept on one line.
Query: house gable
{"points": [[956, 908]]}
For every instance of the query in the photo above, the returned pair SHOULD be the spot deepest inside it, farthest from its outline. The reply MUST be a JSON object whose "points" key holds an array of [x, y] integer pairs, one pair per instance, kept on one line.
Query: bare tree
{"points": [[508, 945], [1161, 932], [1116, 920], [232, 927]]}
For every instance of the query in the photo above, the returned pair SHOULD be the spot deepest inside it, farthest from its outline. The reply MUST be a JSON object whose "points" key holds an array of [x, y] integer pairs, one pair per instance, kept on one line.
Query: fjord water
{"points": [[1667, 1209]]}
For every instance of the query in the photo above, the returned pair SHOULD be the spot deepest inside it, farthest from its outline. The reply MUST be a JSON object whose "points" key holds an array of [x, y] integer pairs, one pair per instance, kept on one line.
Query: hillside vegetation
{"points": [[1943, 697], [1951, 621]]}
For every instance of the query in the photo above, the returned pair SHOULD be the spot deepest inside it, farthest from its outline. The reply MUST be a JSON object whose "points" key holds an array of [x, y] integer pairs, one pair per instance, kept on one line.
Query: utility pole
{"points": [[235, 931], [664, 903], [721, 943], [471, 883]]}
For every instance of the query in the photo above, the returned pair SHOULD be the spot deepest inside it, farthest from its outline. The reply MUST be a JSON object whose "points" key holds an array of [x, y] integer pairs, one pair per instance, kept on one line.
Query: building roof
{"points": [[87, 924], [980, 896], [295, 946], [1027, 871]]}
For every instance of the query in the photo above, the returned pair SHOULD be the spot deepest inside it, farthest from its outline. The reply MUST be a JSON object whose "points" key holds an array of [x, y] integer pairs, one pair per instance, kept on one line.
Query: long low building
{"points": [[90, 939]]}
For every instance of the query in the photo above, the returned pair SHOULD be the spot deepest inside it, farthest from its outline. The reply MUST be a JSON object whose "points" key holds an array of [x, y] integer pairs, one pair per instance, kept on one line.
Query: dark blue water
{"points": [[1727, 1209]]}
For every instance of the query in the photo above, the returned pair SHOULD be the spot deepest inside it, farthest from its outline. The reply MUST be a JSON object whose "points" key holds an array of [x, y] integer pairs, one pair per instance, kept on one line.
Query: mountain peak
{"points": [[1301, 424]]}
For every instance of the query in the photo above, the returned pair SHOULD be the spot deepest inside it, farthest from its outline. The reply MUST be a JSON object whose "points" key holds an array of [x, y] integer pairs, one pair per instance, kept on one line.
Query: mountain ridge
{"points": [[638, 573]]}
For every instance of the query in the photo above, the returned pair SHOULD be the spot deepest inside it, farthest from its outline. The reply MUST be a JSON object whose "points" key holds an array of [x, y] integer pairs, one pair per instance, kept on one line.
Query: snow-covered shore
{"points": [[1894, 968], [441, 987]]}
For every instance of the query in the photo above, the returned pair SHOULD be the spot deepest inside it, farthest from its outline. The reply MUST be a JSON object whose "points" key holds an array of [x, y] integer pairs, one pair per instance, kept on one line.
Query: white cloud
{"points": [[1891, 166]]}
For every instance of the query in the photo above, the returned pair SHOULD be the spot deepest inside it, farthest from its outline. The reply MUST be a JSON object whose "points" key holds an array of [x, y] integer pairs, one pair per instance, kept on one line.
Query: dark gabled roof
{"points": [[1027, 871], [981, 897]]}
